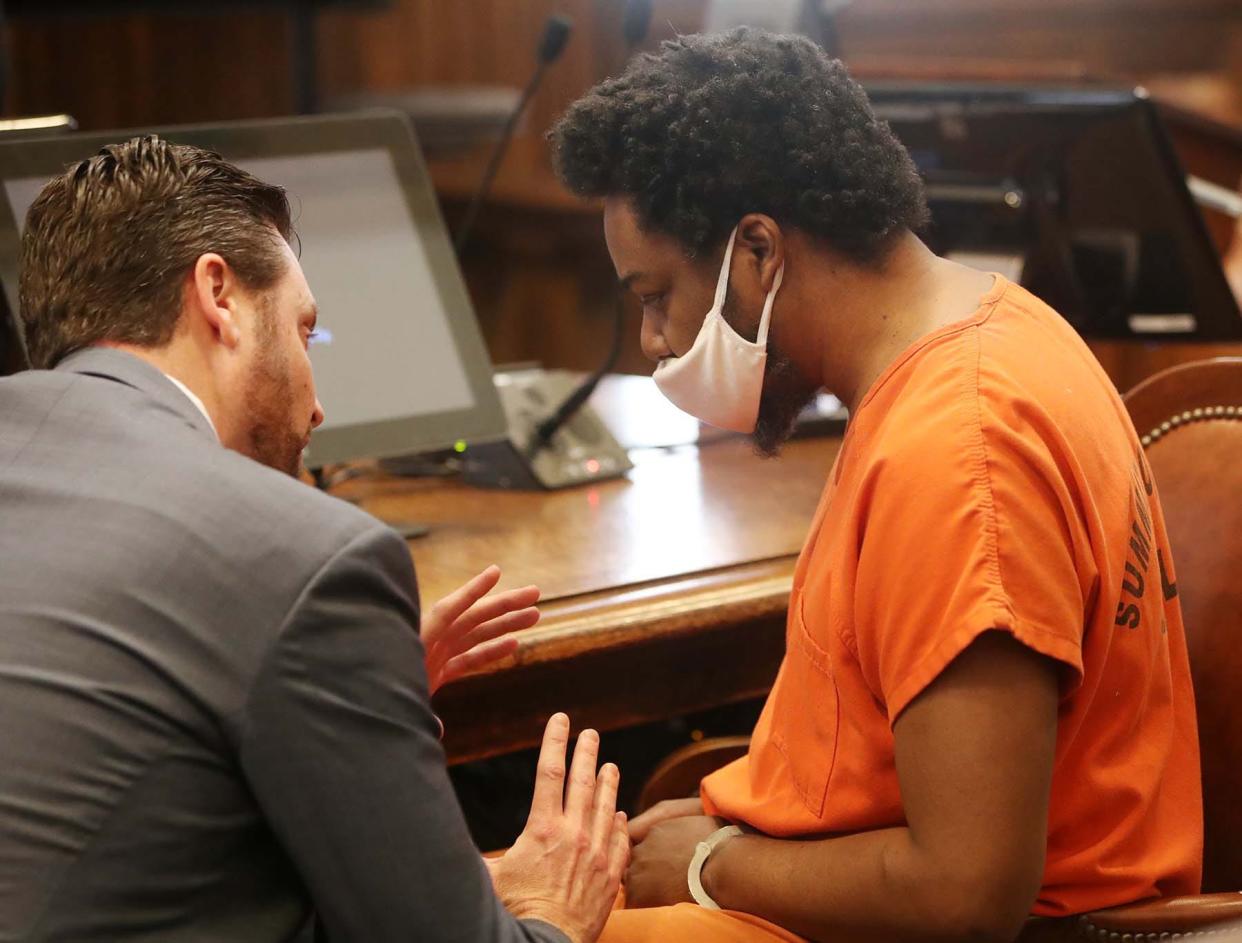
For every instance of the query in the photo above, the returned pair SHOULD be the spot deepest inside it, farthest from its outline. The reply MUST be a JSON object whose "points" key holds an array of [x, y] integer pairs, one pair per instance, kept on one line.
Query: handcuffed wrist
{"points": [[702, 852]]}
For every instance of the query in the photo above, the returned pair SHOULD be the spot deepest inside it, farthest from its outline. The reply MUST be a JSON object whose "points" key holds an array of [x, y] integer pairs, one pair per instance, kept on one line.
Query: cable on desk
{"points": [[330, 476]]}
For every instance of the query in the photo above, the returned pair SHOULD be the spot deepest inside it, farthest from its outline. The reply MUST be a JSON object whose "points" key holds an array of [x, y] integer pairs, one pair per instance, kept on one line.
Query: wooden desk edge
{"points": [[649, 612], [649, 651]]}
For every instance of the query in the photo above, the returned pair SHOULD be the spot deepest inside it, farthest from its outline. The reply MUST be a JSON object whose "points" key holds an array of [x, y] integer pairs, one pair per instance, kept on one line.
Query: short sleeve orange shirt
{"points": [[990, 479]]}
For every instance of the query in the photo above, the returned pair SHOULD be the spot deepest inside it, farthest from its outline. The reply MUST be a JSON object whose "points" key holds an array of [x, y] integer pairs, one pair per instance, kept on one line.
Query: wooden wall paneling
{"points": [[146, 68], [1068, 9], [135, 70], [1103, 49], [1130, 362], [546, 291], [551, 297], [470, 41]]}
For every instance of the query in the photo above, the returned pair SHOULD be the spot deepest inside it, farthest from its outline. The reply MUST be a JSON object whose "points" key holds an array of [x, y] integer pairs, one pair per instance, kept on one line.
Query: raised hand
{"points": [[565, 868], [468, 628]]}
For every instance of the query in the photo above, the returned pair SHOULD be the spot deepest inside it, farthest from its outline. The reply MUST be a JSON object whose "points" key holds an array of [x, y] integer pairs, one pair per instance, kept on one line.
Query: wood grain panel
{"points": [[685, 648], [1109, 37], [130, 71], [538, 270]]}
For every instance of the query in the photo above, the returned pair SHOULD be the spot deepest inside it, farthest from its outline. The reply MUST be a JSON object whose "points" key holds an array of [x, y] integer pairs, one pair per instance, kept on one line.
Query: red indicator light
{"points": [[592, 466]]}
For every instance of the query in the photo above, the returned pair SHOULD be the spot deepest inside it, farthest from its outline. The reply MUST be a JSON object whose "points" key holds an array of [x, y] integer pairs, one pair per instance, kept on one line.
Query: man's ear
{"points": [[213, 292], [760, 240]]}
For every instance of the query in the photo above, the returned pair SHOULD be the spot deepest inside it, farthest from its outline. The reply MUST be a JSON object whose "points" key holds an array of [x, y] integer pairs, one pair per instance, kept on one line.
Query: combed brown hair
{"points": [[108, 244]]}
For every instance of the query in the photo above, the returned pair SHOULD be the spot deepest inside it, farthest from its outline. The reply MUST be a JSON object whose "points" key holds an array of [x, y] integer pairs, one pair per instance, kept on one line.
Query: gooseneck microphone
{"points": [[547, 428], [555, 37], [634, 27], [636, 22]]}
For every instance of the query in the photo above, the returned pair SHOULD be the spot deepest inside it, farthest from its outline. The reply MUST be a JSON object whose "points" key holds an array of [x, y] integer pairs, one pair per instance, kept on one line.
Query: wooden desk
{"points": [[664, 592]]}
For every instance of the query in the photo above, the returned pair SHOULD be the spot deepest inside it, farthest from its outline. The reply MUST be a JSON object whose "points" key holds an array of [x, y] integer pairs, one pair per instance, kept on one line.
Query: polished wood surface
{"points": [[677, 514], [663, 592], [680, 773], [633, 655]]}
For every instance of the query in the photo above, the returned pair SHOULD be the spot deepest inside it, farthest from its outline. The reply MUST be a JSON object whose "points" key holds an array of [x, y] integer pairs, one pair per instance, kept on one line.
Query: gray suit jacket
{"points": [[213, 704]]}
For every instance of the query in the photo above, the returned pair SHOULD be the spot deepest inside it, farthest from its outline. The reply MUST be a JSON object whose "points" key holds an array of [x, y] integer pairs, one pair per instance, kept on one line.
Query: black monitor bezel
{"points": [[1215, 325]]}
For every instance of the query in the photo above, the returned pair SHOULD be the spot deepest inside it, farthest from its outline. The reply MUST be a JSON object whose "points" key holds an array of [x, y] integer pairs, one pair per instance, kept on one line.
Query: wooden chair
{"points": [[1189, 418], [680, 773]]}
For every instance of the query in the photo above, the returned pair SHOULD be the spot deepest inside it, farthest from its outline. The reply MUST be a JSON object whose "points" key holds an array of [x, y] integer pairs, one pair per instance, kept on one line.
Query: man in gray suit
{"points": [[214, 703]]}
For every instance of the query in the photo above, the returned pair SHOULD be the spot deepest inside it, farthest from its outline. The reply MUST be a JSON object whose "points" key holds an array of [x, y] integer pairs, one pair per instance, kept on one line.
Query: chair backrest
{"points": [[680, 773], [1190, 420]]}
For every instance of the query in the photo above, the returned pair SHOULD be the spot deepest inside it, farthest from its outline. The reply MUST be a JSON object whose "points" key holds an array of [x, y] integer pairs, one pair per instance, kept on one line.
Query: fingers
{"points": [[604, 814], [449, 609], [484, 610], [642, 823], [661, 811], [550, 770], [579, 798], [502, 625], [619, 850], [476, 658]]}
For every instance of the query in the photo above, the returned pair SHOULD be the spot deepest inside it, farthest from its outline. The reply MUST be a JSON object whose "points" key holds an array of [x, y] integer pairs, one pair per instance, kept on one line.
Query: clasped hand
{"points": [[665, 837]]}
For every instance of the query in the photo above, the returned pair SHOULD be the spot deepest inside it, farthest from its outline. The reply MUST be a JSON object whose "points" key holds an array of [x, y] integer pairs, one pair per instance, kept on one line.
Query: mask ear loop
{"points": [[722, 281], [762, 337]]}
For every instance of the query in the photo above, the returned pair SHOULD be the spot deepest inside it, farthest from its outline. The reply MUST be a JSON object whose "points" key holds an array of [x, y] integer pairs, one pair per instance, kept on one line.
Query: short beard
{"points": [[270, 439], [786, 392]]}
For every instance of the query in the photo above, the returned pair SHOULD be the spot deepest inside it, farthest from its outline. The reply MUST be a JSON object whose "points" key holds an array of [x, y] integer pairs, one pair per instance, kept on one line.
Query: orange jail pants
{"points": [[690, 923]]}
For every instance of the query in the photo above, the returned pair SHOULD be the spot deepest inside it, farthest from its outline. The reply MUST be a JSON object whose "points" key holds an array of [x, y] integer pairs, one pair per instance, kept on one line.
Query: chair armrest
{"points": [[679, 773], [1185, 915]]}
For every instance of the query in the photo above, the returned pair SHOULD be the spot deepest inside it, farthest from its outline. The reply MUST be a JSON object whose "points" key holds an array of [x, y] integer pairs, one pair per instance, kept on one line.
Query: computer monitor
{"points": [[400, 364], [1078, 193]]}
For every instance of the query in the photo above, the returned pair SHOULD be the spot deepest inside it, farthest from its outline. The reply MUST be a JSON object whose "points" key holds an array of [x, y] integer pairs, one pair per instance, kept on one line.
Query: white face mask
{"points": [[720, 378]]}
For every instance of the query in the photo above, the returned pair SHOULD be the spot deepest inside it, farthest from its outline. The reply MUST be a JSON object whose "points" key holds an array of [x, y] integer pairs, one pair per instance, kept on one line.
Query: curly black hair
{"points": [[717, 126]]}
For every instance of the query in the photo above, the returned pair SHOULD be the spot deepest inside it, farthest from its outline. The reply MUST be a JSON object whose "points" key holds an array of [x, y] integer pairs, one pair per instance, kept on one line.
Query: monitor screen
{"points": [[399, 363], [1077, 193]]}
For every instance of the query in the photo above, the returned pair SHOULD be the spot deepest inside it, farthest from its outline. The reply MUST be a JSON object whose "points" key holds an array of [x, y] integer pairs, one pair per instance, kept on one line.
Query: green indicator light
{"points": [[459, 446]]}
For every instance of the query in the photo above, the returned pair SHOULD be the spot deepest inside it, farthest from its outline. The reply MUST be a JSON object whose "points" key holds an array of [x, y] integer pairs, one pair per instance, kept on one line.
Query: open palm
{"points": [[469, 628]]}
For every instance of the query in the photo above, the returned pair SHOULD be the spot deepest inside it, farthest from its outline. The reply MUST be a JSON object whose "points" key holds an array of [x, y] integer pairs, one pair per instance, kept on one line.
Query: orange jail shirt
{"points": [[990, 479]]}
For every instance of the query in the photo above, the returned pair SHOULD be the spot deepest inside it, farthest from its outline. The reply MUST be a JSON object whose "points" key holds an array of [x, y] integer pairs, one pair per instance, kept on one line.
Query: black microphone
{"points": [[634, 27], [637, 21], [555, 37], [547, 428]]}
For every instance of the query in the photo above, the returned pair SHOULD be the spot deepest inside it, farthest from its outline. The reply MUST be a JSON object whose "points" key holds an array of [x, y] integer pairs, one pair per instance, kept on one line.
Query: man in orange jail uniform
{"points": [[984, 711]]}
